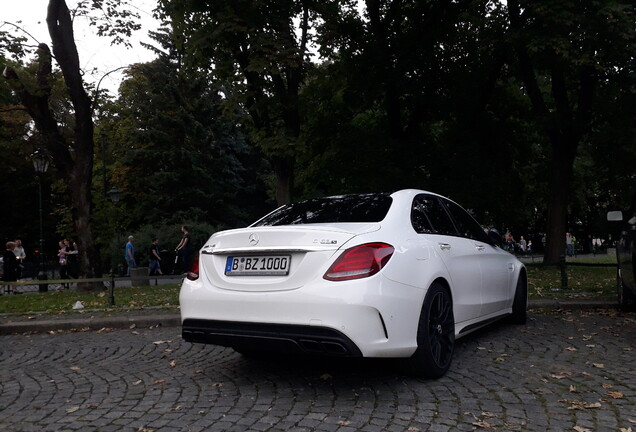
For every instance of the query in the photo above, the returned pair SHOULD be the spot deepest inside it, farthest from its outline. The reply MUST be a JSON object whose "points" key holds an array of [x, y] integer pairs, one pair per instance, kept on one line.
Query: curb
{"points": [[92, 323], [123, 321]]}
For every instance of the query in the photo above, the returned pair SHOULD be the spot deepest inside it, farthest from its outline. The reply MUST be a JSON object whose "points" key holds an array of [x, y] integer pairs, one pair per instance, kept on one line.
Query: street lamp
{"points": [[114, 194], [41, 162]]}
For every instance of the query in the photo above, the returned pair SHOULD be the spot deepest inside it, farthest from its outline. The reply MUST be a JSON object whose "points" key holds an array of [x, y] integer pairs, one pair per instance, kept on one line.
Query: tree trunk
{"points": [[80, 176], [74, 163], [561, 170], [284, 170]]}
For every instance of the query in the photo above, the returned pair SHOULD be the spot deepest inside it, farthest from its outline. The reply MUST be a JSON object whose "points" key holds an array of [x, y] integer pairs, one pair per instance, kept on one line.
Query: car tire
{"points": [[519, 313], [435, 335], [626, 299]]}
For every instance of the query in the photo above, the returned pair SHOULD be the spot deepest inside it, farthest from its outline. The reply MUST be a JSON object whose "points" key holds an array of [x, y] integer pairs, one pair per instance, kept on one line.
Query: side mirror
{"points": [[495, 237], [615, 216]]}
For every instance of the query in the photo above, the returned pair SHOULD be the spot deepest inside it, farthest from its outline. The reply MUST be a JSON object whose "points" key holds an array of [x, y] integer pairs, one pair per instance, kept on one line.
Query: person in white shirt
{"points": [[20, 255]]}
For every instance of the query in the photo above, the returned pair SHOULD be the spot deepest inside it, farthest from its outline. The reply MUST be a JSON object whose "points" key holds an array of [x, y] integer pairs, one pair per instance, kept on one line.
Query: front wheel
{"points": [[519, 313], [626, 299], [435, 335]]}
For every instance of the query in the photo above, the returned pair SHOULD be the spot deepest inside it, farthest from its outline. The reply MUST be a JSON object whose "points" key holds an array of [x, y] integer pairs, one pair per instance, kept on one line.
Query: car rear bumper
{"points": [[355, 318]]}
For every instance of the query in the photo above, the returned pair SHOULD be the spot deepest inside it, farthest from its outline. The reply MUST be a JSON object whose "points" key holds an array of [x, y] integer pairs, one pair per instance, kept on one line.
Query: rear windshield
{"points": [[345, 208]]}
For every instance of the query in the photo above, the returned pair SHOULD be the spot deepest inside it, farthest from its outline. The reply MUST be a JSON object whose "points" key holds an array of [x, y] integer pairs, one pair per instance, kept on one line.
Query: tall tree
{"points": [[259, 49], [72, 153], [566, 52], [180, 156]]}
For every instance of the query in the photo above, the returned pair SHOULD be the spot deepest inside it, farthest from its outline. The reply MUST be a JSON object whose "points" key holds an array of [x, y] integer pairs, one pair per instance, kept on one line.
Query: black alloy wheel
{"points": [[626, 299], [435, 335], [519, 313]]}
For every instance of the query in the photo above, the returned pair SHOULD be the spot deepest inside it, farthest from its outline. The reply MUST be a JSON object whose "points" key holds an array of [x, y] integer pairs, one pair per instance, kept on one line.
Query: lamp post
{"points": [[114, 194], [41, 163]]}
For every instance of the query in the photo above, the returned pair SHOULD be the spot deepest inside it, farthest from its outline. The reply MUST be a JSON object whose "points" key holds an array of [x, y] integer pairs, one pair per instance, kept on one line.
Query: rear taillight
{"points": [[360, 262], [193, 274]]}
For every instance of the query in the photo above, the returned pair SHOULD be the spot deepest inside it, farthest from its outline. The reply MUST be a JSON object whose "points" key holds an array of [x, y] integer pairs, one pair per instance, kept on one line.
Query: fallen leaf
{"points": [[132, 326], [607, 386], [615, 395], [581, 429], [483, 424], [172, 363], [557, 376], [161, 342], [160, 381], [137, 382], [344, 422], [75, 368], [580, 405], [571, 349], [598, 365], [413, 429], [488, 414], [72, 409], [628, 429], [572, 388]]}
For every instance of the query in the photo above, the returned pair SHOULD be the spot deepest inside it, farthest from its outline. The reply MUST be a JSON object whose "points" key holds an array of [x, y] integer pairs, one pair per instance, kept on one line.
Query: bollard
{"points": [[564, 272], [111, 291]]}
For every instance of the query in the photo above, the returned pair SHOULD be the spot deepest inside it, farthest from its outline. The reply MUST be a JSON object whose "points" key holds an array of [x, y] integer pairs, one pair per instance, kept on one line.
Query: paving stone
{"points": [[527, 378]]}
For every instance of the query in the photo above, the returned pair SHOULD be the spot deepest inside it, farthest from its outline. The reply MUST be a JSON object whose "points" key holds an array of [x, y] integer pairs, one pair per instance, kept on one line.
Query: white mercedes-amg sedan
{"points": [[399, 275]]}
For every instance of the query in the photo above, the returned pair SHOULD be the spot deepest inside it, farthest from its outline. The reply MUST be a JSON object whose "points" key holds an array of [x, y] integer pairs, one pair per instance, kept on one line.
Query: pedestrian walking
{"points": [[73, 259], [154, 266], [523, 245], [569, 244], [20, 255], [130, 255], [62, 259], [9, 265]]}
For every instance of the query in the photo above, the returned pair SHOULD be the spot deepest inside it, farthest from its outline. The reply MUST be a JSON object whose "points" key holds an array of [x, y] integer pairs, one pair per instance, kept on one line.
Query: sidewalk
{"points": [[169, 317]]}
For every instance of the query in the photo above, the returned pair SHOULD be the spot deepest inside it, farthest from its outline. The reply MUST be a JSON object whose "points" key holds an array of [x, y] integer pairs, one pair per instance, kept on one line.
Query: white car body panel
{"points": [[380, 313]]}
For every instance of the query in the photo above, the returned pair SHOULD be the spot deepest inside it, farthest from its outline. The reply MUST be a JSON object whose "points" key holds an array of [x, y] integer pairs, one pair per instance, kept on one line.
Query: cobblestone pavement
{"points": [[565, 370]]}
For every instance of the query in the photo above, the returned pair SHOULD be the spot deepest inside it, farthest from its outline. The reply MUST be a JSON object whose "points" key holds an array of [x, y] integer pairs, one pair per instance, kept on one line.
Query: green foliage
{"points": [[176, 151]]}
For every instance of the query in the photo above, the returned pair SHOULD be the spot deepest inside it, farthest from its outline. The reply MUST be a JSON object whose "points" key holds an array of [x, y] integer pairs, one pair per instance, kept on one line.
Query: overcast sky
{"points": [[94, 52]]}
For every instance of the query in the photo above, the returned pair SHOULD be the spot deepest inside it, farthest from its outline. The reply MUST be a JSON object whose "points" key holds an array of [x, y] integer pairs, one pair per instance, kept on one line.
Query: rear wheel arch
{"points": [[436, 333]]}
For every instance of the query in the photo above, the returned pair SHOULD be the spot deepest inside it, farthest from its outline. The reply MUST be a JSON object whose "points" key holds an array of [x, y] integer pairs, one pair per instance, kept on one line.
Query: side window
{"points": [[428, 216], [466, 224]]}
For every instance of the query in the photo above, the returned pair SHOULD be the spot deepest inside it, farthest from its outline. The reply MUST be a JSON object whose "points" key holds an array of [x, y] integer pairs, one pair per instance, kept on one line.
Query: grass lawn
{"points": [[58, 302], [588, 283]]}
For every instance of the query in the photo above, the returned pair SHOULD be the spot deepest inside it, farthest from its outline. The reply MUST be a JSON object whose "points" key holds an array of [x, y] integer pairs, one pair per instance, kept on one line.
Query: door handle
{"points": [[444, 246], [480, 248]]}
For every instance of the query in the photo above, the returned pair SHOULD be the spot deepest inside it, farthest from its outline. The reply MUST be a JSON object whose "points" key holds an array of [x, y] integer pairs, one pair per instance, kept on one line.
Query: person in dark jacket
{"points": [[10, 265]]}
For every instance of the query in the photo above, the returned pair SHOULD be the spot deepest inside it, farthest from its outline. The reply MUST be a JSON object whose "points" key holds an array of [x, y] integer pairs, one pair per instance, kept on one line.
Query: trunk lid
{"points": [[274, 258]]}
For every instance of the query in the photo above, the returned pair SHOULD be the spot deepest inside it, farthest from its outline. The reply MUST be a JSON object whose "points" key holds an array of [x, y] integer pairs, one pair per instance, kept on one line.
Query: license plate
{"points": [[270, 265]]}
